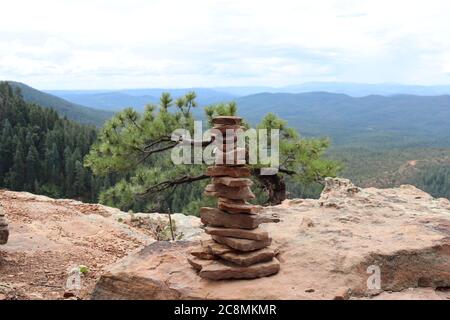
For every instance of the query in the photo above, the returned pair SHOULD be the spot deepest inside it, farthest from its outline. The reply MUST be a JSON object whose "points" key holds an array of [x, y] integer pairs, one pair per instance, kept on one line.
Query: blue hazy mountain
{"points": [[394, 116], [394, 120], [137, 98], [114, 101], [361, 90], [118, 99], [351, 89]]}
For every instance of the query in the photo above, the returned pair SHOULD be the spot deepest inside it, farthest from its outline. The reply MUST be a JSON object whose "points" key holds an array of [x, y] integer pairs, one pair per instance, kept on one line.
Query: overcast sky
{"points": [[107, 44]]}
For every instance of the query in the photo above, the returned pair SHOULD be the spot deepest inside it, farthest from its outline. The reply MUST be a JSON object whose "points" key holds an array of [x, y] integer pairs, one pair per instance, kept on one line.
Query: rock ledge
{"points": [[328, 249]]}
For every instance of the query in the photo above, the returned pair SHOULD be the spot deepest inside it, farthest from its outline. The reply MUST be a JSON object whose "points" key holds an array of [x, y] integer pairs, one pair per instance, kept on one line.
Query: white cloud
{"points": [[115, 44]]}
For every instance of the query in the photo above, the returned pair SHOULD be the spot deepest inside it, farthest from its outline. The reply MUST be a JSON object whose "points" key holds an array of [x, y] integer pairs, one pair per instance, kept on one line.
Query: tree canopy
{"points": [[138, 147]]}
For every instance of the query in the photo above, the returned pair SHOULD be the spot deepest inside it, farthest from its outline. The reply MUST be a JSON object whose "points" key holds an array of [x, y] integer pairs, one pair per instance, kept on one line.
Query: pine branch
{"points": [[162, 186], [154, 143], [149, 153]]}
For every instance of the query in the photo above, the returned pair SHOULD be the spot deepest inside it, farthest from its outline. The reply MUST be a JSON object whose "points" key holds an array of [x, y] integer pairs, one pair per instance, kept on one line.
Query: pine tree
{"points": [[138, 147], [79, 178], [17, 174], [38, 149], [6, 148], [32, 168]]}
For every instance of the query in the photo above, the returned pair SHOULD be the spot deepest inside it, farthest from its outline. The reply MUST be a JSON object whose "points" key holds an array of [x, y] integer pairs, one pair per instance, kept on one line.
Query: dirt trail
{"points": [[50, 237]]}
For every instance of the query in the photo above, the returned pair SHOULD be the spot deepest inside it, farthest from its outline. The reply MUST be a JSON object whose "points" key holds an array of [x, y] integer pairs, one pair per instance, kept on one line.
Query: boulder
{"points": [[399, 236]]}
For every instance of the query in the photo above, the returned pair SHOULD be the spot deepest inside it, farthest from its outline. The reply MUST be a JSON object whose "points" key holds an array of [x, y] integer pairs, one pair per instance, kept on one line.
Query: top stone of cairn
{"points": [[227, 120]]}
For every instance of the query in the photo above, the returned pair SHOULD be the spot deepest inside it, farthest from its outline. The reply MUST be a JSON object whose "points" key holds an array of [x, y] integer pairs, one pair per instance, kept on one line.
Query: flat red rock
{"points": [[231, 128], [197, 263], [227, 120], [233, 182], [249, 258], [238, 206], [224, 271], [217, 218], [234, 157], [243, 244], [215, 248], [255, 234], [203, 253], [233, 193], [221, 171]]}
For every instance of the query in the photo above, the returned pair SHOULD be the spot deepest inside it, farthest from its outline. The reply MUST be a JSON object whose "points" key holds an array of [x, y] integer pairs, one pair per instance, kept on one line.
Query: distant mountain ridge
{"points": [[219, 93], [113, 101], [374, 121], [137, 98], [65, 108], [400, 119], [361, 90]]}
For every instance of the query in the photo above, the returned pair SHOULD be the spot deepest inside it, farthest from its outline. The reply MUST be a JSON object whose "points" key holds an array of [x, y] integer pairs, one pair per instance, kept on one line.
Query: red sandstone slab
{"points": [[227, 120], [234, 157], [202, 253], [216, 218], [243, 244], [255, 234], [249, 258], [217, 270], [233, 182], [221, 171], [238, 206], [197, 263], [215, 248], [238, 193], [223, 128]]}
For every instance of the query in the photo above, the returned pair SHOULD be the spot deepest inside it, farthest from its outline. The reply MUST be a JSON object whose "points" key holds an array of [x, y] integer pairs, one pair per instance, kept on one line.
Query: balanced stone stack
{"points": [[4, 233], [239, 248]]}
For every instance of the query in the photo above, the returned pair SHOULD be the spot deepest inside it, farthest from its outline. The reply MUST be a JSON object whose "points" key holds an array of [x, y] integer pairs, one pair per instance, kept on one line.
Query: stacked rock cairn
{"points": [[4, 233], [239, 248]]}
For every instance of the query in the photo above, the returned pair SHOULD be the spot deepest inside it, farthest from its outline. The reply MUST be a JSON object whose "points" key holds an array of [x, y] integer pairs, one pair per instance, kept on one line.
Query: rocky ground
{"points": [[48, 238], [326, 248], [331, 248]]}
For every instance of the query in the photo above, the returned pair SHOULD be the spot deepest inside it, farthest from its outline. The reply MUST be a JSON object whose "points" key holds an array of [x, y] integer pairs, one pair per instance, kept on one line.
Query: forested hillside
{"points": [[427, 168], [43, 153], [65, 108]]}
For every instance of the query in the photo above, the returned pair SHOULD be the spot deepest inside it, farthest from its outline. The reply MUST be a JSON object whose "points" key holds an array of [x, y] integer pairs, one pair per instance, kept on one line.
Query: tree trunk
{"points": [[275, 187]]}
